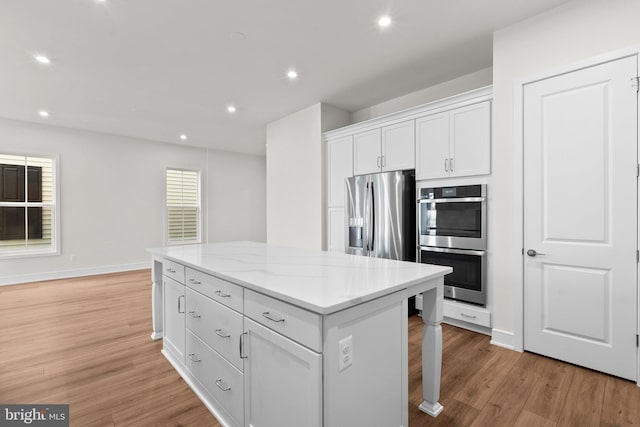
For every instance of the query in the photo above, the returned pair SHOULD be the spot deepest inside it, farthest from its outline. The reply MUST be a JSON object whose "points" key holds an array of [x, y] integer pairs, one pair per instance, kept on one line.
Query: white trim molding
{"points": [[67, 274], [504, 339]]}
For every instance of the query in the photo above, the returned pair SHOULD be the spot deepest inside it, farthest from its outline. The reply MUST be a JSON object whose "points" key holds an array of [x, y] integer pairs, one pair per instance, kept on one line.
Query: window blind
{"points": [[183, 206]]}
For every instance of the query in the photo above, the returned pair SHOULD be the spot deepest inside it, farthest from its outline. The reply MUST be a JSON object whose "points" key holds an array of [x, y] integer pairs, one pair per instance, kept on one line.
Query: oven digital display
{"points": [[449, 192]]}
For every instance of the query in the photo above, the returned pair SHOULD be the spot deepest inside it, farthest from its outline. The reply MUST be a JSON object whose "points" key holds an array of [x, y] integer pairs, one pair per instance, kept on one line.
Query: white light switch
{"points": [[345, 353]]}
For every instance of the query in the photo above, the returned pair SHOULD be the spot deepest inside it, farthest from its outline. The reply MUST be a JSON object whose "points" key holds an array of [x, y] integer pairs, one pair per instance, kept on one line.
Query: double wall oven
{"points": [[452, 228]]}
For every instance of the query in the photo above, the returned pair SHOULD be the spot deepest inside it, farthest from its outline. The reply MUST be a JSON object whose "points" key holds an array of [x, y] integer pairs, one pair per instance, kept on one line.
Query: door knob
{"points": [[532, 252]]}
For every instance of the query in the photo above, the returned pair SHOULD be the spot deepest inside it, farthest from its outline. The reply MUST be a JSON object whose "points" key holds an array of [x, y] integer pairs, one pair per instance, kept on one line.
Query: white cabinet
{"points": [[386, 149], [174, 317], [339, 167], [283, 380], [454, 143], [336, 230]]}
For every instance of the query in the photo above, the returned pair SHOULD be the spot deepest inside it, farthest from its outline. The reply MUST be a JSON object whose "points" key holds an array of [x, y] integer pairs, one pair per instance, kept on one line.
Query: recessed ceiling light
{"points": [[384, 21], [183, 137], [292, 74], [42, 59], [43, 113], [231, 109]]}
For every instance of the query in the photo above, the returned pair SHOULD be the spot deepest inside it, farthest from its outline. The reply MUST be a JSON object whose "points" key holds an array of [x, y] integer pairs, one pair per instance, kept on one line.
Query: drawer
{"points": [[220, 290], [174, 270], [224, 382], [300, 325], [218, 326], [467, 313]]}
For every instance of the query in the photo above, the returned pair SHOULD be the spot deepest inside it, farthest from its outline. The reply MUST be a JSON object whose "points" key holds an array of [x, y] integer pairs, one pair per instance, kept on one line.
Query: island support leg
{"points": [[156, 300], [432, 350]]}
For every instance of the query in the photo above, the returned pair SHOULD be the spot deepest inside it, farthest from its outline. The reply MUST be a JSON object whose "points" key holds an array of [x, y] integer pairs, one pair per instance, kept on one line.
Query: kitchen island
{"points": [[274, 336]]}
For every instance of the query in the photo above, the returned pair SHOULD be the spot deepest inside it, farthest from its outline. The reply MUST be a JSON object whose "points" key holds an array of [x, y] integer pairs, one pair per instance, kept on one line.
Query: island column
{"points": [[432, 301]]}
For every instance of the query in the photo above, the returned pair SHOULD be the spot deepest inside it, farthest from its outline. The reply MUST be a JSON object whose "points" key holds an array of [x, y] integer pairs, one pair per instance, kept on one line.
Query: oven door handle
{"points": [[453, 251], [458, 200]]}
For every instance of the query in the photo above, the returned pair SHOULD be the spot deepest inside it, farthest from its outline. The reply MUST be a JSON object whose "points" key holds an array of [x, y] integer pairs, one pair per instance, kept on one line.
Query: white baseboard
{"points": [[66, 274], [503, 339]]}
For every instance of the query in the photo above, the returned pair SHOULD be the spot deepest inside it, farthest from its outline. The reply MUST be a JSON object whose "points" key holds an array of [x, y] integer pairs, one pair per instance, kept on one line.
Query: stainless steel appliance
{"points": [[453, 217], [381, 215], [452, 228]]}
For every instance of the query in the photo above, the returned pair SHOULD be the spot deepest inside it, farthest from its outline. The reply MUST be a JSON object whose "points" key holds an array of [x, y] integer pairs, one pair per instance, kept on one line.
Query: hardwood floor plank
{"points": [[549, 393], [583, 404], [621, 403], [529, 419]]}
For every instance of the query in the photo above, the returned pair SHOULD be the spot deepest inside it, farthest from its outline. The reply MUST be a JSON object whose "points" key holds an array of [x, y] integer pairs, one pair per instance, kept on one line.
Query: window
{"points": [[27, 205], [183, 206]]}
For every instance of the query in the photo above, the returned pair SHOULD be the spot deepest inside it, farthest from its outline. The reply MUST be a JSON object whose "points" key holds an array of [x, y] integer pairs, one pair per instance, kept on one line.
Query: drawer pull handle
{"points": [[467, 315], [222, 386], [220, 333], [222, 294], [194, 281], [180, 298], [273, 319], [241, 344], [193, 358], [194, 314], [171, 270]]}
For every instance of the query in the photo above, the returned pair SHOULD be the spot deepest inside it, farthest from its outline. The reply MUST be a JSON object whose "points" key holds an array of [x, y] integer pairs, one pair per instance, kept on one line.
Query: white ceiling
{"points": [[157, 68]]}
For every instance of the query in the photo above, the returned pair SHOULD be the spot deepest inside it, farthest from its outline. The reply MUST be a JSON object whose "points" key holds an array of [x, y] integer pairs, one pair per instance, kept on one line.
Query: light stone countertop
{"points": [[322, 282]]}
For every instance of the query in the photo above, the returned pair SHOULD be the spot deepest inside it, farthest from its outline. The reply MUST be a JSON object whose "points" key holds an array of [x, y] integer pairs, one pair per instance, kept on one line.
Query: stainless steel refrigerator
{"points": [[381, 215]]}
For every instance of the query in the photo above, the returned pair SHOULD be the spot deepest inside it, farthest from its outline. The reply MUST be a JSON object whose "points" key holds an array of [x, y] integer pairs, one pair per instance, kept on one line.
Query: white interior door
{"points": [[580, 216]]}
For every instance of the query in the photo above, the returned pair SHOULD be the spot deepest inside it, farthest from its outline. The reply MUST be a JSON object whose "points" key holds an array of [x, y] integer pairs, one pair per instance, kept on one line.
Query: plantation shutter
{"points": [[183, 206]]}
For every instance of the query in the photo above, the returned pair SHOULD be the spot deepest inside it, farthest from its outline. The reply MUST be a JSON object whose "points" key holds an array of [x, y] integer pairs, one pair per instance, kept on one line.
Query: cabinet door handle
{"points": [[378, 161], [273, 319], [468, 315], [171, 270], [222, 386], [451, 164], [180, 298], [220, 333], [194, 314], [193, 358], [194, 281], [445, 165], [241, 341], [383, 161], [222, 294]]}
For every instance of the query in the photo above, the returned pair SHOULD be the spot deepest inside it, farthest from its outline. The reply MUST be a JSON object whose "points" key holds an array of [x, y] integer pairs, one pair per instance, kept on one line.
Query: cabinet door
{"points": [[336, 230], [339, 167], [398, 146], [174, 320], [283, 380], [432, 146], [471, 140], [366, 152]]}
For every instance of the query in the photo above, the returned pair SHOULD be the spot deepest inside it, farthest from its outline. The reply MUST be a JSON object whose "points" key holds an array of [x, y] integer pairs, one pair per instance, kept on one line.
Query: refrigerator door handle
{"points": [[365, 228], [372, 220]]}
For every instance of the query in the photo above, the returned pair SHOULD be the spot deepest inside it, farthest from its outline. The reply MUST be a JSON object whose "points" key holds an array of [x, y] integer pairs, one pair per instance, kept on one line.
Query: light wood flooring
{"points": [[86, 342]]}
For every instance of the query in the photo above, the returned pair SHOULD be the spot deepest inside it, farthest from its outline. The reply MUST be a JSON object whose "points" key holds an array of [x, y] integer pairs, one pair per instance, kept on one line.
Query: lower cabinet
{"points": [[222, 380], [174, 317], [282, 382]]}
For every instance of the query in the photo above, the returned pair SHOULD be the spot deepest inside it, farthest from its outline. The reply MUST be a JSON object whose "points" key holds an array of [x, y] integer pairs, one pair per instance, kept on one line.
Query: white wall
{"points": [[566, 35], [112, 197], [452, 87], [236, 197], [295, 176]]}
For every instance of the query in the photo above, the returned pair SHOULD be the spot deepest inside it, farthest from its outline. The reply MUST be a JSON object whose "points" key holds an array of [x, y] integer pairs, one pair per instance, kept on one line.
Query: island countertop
{"points": [[322, 282]]}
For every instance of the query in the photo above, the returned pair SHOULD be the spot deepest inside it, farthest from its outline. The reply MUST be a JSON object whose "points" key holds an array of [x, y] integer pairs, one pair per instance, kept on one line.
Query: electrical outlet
{"points": [[345, 353]]}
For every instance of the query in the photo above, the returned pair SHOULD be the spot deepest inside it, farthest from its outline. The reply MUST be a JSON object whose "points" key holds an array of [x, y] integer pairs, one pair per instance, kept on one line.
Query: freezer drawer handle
{"points": [[273, 319], [222, 386], [220, 333], [222, 294]]}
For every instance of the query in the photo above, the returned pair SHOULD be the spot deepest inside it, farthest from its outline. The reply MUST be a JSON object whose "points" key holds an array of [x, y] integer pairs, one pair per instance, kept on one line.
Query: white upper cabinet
{"points": [[471, 140], [366, 152], [454, 143], [386, 149], [339, 167], [398, 148]]}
